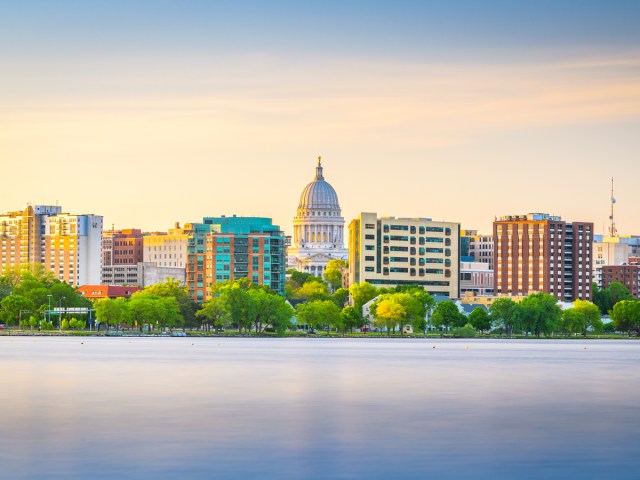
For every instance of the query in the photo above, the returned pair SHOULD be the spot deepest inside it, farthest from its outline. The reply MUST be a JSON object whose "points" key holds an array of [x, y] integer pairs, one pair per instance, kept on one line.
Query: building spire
{"points": [[613, 231], [319, 170]]}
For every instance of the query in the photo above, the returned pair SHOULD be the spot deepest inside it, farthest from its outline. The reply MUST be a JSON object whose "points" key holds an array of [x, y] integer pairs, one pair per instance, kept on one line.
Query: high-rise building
{"points": [[318, 228], [538, 252], [230, 248], [122, 250], [68, 245], [389, 251]]}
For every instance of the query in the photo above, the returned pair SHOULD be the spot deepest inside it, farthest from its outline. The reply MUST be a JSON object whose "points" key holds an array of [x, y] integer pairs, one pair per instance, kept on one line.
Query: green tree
{"points": [[11, 306], [169, 313], [447, 315], [626, 316], [65, 325], [479, 319], [269, 309], [144, 309], [591, 314], [606, 298], [361, 293], [340, 297], [213, 313], [540, 313], [313, 291], [112, 312], [504, 314], [319, 313], [171, 288], [333, 273], [237, 303], [573, 321], [351, 318]]}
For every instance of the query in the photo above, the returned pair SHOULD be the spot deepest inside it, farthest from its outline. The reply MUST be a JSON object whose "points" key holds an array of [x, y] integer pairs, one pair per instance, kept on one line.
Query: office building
{"points": [[389, 251]]}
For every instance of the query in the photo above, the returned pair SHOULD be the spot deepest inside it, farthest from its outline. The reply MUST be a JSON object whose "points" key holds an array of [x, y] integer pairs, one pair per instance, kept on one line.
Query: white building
{"points": [[390, 251], [318, 228]]}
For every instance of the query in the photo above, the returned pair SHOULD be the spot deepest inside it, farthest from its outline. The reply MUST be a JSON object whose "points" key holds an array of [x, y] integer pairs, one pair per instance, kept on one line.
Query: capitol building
{"points": [[318, 228]]}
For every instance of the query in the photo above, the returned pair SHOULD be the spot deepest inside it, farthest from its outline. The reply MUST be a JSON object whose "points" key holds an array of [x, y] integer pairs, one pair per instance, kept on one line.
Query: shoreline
{"points": [[190, 334]]}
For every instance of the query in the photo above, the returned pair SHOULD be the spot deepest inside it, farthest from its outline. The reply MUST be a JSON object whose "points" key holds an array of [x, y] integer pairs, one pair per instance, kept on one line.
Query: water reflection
{"points": [[312, 408]]}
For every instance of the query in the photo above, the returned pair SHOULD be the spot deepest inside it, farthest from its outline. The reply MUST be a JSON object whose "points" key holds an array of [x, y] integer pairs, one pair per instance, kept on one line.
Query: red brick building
{"points": [[628, 275], [538, 252]]}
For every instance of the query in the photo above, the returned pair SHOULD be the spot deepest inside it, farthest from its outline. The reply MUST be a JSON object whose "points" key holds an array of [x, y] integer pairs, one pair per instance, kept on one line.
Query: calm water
{"points": [[170, 408]]}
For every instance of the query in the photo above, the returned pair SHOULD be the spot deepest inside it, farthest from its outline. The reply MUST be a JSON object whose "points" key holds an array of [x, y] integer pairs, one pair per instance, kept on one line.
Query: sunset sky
{"points": [[152, 112]]}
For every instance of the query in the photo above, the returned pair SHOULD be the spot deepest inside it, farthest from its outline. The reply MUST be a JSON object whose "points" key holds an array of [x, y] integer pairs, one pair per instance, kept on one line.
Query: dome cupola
{"points": [[319, 194]]}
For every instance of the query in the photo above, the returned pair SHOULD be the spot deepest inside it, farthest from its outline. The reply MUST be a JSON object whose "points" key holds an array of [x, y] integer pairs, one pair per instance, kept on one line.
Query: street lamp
{"points": [[49, 311], [60, 313]]}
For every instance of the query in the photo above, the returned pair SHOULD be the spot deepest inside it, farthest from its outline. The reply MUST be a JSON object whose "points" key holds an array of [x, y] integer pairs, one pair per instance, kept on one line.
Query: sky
{"points": [[156, 112]]}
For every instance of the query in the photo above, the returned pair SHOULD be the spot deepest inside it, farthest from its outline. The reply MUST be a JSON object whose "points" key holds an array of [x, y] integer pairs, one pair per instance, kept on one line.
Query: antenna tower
{"points": [[613, 231]]}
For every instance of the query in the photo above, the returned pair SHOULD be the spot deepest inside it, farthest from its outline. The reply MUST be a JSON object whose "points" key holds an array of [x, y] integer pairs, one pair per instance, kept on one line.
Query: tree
{"points": [[173, 288], [169, 313], [333, 273], [504, 313], [479, 319], [351, 318], [112, 312], [626, 316], [573, 321], [213, 313], [446, 315], [591, 313], [540, 313], [144, 309], [319, 313], [313, 291], [340, 297], [236, 302], [605, 299], [388, 312], [269, 309], [11, 306], [429, 304], [361, 293]]}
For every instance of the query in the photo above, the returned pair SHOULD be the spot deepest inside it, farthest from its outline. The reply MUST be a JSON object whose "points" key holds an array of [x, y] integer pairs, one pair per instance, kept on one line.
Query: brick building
{"points": [[538, 252]]}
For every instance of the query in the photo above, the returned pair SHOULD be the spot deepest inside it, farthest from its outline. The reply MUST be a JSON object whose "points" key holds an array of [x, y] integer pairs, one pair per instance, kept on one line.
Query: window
{"points": [[369, 258], [369, 247], [370, 237], [369, 226]]}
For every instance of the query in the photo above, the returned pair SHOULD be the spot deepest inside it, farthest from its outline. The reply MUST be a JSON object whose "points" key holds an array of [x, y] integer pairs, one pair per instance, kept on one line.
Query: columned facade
{"points": [[318, 228]]}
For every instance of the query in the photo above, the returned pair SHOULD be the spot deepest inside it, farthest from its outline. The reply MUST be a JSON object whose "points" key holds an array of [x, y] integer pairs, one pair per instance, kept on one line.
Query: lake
{"points": [[233, 408]]}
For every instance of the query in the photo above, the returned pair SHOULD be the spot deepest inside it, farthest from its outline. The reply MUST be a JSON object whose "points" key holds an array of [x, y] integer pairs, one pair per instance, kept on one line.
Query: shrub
{"points": [[464, 332]]}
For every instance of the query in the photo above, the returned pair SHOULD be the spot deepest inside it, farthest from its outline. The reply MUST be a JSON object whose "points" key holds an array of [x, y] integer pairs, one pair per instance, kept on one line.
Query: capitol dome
{"points": [[319, 193]]}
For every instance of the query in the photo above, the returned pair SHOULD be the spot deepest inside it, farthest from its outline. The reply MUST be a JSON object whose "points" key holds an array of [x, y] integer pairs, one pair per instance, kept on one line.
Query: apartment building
{"points": [[68, 245], [539, 252]]}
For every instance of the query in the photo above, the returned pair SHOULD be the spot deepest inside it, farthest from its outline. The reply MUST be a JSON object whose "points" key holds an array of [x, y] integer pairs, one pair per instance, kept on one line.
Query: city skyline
{"points": [[154, 113]]}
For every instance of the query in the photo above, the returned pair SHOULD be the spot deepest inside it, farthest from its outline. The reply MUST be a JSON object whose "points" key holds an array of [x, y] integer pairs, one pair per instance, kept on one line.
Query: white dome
{"points": [[319, 194]]}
